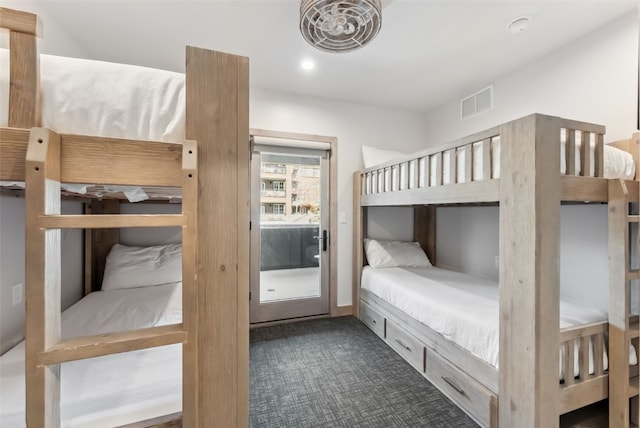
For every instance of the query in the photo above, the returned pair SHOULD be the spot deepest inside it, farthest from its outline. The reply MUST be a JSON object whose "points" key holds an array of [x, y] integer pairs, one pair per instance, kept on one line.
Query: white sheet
{"points": [[114, 389], [101, 98], [462, 308]]}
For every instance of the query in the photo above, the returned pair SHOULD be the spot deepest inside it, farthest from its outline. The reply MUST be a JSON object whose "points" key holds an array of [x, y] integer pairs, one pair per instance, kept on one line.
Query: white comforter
{"points": [[462, 308], [114, 389]]}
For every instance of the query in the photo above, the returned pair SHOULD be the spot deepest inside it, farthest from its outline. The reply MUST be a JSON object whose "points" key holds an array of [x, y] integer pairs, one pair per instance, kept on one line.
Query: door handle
{"points": [[325, 238]]}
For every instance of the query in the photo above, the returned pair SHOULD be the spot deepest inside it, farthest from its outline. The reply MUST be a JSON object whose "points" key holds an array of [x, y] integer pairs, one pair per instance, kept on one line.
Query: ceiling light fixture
{"points": [[340, 25], [518, 25], [307, 64]]}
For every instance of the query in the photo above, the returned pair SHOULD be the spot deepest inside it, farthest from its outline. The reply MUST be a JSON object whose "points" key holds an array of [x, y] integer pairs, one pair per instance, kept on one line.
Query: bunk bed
{"points": [[529, 167], [209, 158]]}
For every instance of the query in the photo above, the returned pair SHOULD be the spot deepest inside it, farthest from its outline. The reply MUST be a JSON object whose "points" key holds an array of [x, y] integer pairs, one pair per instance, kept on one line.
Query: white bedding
{"points": [[462, 308], [101, 98], [114, 389]]}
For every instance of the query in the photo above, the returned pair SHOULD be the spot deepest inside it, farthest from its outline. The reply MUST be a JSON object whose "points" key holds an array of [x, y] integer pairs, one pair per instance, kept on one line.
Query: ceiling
{"points": [[427, 53]]}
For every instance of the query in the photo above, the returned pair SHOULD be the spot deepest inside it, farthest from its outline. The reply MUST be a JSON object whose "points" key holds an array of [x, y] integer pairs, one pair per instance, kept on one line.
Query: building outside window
{"points": [[278, 185], [278, 209]]}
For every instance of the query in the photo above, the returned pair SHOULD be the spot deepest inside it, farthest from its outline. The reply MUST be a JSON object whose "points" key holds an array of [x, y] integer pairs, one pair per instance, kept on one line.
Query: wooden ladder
{"points": [[45, 349], [624, 328]]}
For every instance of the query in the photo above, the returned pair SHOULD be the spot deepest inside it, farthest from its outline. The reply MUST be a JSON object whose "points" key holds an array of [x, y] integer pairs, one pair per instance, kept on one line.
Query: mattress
{"points": [[114, 389], [89, 97], [462, 308]]}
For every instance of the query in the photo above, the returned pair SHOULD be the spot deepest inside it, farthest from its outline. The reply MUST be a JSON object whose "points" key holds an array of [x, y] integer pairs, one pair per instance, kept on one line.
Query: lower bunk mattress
{"points": [[462, 308], [114, 389]]}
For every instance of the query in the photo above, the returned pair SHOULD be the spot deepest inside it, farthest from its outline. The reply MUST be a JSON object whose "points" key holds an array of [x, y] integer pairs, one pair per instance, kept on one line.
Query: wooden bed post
{"points": [[217, 368], [24, 90], [42, 278], [424, 229], [359, 232], [98, 243], [529, 272]]}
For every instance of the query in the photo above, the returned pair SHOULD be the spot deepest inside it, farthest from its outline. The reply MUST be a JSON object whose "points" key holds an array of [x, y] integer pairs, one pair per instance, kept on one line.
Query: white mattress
{"points": [[114, 389], [108, 99], [462, 308]]}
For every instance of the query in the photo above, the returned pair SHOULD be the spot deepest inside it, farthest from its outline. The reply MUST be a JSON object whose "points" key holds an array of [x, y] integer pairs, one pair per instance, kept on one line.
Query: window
{"points": [[278, 185], [263, 210], [263, 185], [278, 208]]}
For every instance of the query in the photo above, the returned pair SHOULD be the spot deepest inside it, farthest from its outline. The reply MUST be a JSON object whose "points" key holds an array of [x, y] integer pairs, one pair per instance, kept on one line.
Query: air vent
{"points": [[476, 103]]}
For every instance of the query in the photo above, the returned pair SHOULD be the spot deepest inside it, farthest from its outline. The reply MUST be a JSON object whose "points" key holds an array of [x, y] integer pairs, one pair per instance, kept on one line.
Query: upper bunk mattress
{"points": [[462, 308], [88, 97], [111, 390]]}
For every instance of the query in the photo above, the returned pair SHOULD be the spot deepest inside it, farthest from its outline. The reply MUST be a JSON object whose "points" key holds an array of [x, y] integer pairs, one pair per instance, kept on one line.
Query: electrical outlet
{"points": [[17, 294], [496, 261]]}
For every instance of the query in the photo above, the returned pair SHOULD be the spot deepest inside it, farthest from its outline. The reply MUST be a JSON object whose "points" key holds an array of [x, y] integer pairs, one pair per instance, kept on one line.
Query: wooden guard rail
{"points": [[44, 348], [440, 166]]}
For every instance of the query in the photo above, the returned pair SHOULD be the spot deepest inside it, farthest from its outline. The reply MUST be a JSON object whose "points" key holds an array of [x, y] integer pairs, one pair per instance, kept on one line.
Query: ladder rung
{"points": [[634, 218], [634, 384], [106, 221], [112, 343], [633, 275]]}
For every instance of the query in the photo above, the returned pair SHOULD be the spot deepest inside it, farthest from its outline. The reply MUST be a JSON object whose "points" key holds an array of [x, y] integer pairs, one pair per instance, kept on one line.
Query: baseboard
{"points": [[344, 310]]}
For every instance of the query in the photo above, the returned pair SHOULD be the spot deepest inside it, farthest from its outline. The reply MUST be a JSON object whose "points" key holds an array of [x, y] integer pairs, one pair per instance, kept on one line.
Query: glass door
{"points": [[289, 233]]}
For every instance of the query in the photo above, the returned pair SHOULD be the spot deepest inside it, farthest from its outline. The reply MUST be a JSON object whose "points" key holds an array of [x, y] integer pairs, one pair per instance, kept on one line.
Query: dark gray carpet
{"points": [[337, 373]]}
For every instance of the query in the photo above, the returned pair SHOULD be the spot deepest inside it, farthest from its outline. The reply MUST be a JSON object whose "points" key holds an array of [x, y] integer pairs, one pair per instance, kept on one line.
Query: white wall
{"points": [[12, 255], [593, 79], [354, 125]]}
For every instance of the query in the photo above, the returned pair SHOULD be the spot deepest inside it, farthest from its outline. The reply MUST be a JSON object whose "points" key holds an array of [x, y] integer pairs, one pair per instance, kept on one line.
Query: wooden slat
{"points": [[583, 357], [111, 343], [578, 331], [570, 152], [585, 154], [468, 163], [453, 172], [24, 89], [584, 189], [529, 274], [438, 160], [486, 159], [359, 225], [101, 242], [476, 191], [424, 230], [99, 160], [13, 147], [217, 109], [425, 173], [579, 395], [17, 20], [633, 275], [598, 354], [599, 156], [633, 219], [413, 174], [42, 278], [110, 221], [568, 363]]}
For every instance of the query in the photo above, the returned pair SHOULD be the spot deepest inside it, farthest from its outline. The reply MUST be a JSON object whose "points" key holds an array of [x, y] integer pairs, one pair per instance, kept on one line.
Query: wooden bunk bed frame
{"points": [[529, 193], [213, 161]]}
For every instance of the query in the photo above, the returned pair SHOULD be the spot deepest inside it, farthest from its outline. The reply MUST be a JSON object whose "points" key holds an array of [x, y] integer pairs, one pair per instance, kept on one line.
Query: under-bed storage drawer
{"points": [[372, 318], [468, 393], [410, 348]]}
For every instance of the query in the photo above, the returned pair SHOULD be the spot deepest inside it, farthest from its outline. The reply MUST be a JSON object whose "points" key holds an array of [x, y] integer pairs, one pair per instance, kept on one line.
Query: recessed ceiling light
{"points": [[307, 64], [518, 25]]}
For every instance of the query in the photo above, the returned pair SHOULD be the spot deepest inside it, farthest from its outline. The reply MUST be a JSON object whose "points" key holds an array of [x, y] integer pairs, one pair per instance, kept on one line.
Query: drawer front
{"points": [[406, 345], [468, 393], [372, 318]]}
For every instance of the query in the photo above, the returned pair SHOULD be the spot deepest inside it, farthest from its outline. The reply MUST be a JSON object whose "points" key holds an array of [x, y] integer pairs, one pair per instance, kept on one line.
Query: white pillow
{"points": [[130, 267], [372, 156], [381, 254]]}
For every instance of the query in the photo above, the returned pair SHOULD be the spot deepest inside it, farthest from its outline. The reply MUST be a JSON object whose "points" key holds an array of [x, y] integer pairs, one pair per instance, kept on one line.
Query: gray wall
{"points": [[12, 271]]}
